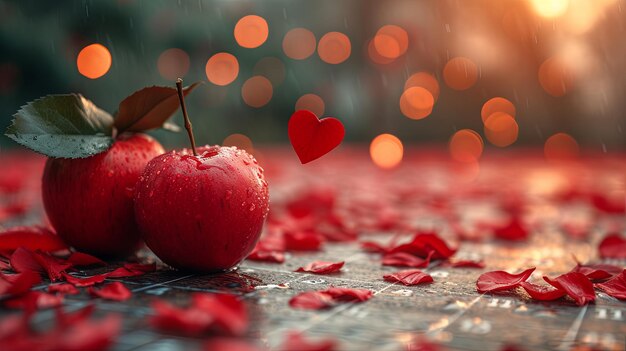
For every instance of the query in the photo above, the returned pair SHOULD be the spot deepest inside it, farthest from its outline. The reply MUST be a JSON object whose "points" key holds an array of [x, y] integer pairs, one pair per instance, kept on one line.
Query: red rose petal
{"points": [[223, 344], [230, 314], [321, 267], [115, 291], [85, 335], [63, 288], [576, 285], [542, 292], [403, 259], [372, 246], [295, 341], [423, 244], [52, 265], [349, 295], [17, 284], [34, 300], [409, 277], [87, 281], [303, 241], [597, 271], [616, 286], [312, 300], [466, 264], [267, 256], [24, 260], [501, 280], [132, 270], [613, 246], [32, 238], [80, 259], [513, 230]]}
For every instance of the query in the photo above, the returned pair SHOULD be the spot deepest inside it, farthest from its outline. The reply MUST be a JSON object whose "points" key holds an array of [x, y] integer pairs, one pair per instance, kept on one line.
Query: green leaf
{"points": [[148, 108], [66, 126]]}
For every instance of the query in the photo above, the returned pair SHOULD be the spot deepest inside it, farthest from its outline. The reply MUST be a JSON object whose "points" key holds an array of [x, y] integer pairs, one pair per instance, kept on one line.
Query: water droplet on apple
{"points": [[252, 207], [245, 162]]}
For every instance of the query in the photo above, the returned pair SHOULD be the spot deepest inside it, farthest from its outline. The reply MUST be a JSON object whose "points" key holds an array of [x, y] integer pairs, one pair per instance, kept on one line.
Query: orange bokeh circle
{"points": [[334, 48], [222, 69], [460, 73]]}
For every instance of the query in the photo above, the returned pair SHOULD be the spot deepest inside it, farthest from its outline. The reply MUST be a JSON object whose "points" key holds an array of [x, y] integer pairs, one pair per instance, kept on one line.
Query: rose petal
{"points": [[616, 286], [115, 291], [34, 300], [613, 246], [466, 264], [512, 230], [542, 292], [403, 259], [423, 244], [80, 259], [597, 271], [295, 341], [312, 300], [63, 288], [17, 284], [24, 260], [576, 285], [349, 295], [267, 256], [86, 281], [230, 314], [501, 280], [223, 344], [132, 270], [321, 267], [53, 266], [409, 277], [32, 238]]}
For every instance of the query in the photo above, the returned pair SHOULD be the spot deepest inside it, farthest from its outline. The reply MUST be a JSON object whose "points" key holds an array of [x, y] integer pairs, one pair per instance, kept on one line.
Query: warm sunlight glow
{"points": [[257, 91], [251, 31], [222, 69], [550, 8], [312, 103], [386, 151], [93, 61], [334, 48], [299, 43]]}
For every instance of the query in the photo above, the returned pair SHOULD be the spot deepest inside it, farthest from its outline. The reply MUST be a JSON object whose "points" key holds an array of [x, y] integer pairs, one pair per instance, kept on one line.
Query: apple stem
{"points": [[181, 97]]}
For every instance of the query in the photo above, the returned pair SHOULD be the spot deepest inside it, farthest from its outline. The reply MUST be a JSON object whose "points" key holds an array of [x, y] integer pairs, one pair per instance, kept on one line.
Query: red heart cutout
{"points": [[311, 137]]}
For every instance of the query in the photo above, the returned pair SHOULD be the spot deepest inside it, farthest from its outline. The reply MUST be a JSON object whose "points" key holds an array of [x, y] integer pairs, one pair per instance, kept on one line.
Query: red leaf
{"points": [[576, 285], [349, 295], [80, 259], [17, 284], [295, 341], [321, 267], [115, 291], [207, 313], [513, 230], [597, 271], [542, 292], [303, 241], [63, 288], [223, 344], [311, 137], [613, 246], [409, 277], [501, 280], [616, 286], [32, 238], [403, 259], [312, 300], [267, 256], [87, 281], [466, 264]]}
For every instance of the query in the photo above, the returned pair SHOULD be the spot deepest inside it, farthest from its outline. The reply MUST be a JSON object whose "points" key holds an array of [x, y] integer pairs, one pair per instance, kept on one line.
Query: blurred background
{"points": [[467, 74]]}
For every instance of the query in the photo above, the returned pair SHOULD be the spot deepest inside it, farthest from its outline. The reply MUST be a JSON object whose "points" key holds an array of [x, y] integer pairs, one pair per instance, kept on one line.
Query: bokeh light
{"points": [[391, 41], [93, 61], [416, 103], [311, 102], [299, 43], [271, 68], [460, 73], [375, 57], [173, 63], [334, 48], [550, 8], [466, 146], [222, 69], [251, 31], [241, 141], [424, 80], [501, 129], [561, 146], [257, 91], [497, 104], [555, 77], [386, 151]]}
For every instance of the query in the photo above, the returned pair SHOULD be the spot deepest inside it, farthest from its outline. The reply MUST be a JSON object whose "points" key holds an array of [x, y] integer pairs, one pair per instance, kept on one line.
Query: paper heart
{"points": [[311, 137]]}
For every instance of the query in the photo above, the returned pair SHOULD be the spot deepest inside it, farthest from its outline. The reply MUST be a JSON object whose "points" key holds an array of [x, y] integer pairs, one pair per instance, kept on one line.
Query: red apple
{"points": [[203, 212], [89, 201]]}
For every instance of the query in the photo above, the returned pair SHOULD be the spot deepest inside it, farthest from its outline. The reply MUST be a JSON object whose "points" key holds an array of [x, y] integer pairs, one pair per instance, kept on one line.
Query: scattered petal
{"points": [[115, 291], [267, 256], [303, 241], [613, 246], [403, 259], [80, 259], [616, 286], [321, 267], [295, 341], [312, 300], [597, 271], [349, 295], [576, 285], [512, 230], [17, 284], [82, 282], [63, 288], [466, 264], [542, 292], [32, 238], [224, 344], [501, 280], [409, 277]]}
